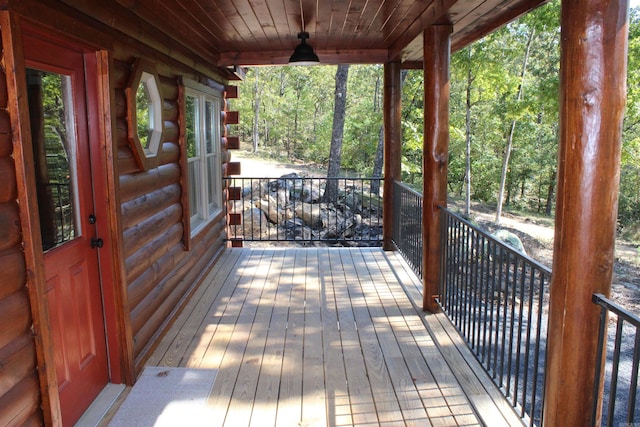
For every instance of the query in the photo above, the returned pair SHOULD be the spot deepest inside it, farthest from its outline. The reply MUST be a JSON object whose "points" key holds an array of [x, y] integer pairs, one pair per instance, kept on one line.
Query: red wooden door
{"points": [[58, 114]]}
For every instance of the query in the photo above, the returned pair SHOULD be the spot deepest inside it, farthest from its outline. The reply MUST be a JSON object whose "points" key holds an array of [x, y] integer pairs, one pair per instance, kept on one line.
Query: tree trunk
{"points": [[507, 151], [467, 175], [550, 192], [335, 151], [377, 163], [256, 112]]}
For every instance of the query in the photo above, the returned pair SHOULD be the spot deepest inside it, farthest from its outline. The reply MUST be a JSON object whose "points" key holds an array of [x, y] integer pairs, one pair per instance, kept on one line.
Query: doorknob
{"points": [[97, 243]]}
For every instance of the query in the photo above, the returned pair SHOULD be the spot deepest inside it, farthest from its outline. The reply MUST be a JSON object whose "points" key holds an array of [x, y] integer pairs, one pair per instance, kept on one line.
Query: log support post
{"points": [[437, 52], [392, 147], [592, 101]]}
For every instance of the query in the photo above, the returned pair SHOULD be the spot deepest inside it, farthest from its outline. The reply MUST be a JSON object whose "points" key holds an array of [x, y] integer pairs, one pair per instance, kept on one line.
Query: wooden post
{"points": [[392, 146], [592, 100], [437, 52]]}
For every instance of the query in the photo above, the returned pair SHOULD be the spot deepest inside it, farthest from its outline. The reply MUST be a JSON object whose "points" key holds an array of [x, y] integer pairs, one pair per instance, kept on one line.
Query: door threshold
{"points": [[98, 410]]}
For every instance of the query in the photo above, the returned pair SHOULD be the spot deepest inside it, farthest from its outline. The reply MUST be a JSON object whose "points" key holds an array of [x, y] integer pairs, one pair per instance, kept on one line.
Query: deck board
{"points": [[323, 337]]}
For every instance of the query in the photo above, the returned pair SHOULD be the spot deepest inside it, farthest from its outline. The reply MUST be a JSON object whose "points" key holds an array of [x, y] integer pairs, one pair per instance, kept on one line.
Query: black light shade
{"points": [[303, 54]]}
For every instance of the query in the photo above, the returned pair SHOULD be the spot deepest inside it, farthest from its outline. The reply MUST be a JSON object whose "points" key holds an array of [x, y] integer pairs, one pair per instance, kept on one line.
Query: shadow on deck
{"points": [[327, 336]]}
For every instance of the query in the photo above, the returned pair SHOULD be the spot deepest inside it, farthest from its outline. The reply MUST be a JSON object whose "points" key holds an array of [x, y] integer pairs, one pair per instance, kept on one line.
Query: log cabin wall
{"points": [[19, 386], [160, 263], [159, 271]]}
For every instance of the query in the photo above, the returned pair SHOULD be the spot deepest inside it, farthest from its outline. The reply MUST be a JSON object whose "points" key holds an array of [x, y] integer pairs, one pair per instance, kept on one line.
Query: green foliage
{"points": [[296, 107]]}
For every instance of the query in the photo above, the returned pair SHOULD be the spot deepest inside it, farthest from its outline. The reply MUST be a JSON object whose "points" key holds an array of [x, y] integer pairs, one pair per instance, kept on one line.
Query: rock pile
{"points": [[291, 208]]}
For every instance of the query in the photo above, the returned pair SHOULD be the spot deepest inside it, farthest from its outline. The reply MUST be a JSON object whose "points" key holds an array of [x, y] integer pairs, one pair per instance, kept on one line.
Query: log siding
{"points": [[161, 264], [19, 385]]}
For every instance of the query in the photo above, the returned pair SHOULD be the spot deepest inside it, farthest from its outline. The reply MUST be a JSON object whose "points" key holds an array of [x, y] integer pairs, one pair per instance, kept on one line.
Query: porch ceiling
{"points": [[261, 32]]}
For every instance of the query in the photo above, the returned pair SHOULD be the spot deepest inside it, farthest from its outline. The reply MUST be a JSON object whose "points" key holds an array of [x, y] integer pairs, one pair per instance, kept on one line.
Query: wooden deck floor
{"points": [[315, 337]]}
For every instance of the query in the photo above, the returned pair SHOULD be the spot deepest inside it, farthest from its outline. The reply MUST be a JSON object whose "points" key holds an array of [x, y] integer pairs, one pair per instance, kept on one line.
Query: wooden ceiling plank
{"points": [[410, 13], [351, 30], [322, 21], [277, 13], [258, 26], [432, 15], [195, 10], [215, 18], [493, 19], [229, 12], [155, 13], [339, 9]]}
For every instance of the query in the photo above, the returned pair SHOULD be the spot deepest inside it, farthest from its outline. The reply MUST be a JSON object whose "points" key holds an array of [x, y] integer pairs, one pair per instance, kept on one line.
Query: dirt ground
{"points": [[537, 238], [536, 234]]}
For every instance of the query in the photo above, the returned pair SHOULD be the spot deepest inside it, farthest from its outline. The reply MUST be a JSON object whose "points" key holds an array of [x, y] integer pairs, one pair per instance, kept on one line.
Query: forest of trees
{"points": [[503, 117]]}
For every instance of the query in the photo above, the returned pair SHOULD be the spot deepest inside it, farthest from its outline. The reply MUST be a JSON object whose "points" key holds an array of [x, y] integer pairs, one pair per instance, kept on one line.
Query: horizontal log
{"points": [[136, 210], [120, 102], [234, 193], [142, 233], [9, 225], [143, 259], [231, 92], [20, 403], [15, 317], [135, 185], [9, 186], [231, 168], [158, 306], [234, 219], [170, 110], [120, 73], [139, 288], [231, 117], [6, 145], [127, 163], [17, 361], [164, 292], [233, 143], [225, 156], [169, 87], [171, 131], [12, 266]]}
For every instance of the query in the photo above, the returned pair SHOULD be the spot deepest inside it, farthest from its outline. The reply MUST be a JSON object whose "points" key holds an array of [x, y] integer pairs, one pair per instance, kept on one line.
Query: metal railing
{"points": [[407, 227], [496, 297], [292, 209], [620, 394]]}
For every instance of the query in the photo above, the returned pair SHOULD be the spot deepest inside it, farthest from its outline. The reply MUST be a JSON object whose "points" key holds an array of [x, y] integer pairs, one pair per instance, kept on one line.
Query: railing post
{"points": [[437, 52], [592, 101], [392, 146]]}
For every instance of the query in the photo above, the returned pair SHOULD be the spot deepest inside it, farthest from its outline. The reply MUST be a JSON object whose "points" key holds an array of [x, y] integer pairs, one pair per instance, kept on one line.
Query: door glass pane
{"points": [[54, 141]]}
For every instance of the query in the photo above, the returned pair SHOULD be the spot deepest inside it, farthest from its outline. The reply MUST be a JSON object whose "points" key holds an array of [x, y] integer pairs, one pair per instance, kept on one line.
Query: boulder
{"points": [[510, 239], [311, 214]]}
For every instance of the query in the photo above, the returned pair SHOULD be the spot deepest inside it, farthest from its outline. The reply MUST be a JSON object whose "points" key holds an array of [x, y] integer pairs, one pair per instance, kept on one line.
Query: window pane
{"points": [[209, 126], [53, 137], [192, 108], [213, 197], [194, 185]]}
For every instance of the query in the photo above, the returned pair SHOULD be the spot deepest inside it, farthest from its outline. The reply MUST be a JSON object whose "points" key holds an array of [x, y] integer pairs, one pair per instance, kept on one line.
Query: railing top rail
{"points": [[407, 188], [620, 311], [492, 238], [276, 178]]}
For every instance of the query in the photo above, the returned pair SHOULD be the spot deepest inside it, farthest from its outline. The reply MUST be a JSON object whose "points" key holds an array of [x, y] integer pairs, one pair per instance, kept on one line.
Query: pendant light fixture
{"points": [[303, 54]]}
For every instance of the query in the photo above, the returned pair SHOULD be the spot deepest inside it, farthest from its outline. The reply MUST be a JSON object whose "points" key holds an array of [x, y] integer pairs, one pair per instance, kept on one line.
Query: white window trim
{"points": [[206, 211]]}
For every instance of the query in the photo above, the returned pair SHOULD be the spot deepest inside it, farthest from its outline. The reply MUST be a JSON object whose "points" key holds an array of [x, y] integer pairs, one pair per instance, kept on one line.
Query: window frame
{"points": [[208, 192]]}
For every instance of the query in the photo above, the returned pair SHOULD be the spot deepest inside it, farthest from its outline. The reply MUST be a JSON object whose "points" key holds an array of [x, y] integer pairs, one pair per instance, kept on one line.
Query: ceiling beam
{"points": [[327, 57], [462, 38]]}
